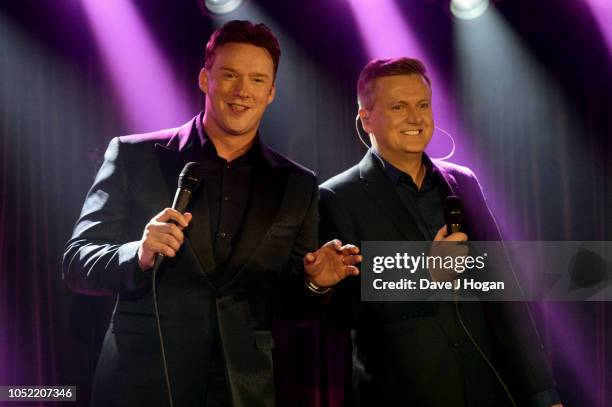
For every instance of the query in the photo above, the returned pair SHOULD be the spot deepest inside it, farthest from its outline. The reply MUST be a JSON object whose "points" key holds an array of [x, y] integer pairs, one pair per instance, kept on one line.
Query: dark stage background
{"points": [[526, 90]]}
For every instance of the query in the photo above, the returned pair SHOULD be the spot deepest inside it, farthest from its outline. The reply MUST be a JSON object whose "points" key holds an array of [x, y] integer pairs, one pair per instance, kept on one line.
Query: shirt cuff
{"points": [[128, 261]]}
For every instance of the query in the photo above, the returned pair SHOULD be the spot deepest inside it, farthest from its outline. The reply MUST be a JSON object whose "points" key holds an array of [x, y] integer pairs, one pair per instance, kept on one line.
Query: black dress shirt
{"points": [[424, 204], [227, 188]]}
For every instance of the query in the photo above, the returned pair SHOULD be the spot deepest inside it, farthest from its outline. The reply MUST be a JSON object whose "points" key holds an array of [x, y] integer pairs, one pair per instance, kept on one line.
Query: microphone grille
{"points": [[453, 209], [191, 176]]}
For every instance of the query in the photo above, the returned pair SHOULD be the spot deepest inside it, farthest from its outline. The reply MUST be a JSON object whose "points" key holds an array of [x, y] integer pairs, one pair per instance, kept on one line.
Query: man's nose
{"points": [[413, 115], [241, 88]]}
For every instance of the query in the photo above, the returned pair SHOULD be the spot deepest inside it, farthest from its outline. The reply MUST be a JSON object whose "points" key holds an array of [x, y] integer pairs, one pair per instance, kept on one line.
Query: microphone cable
{"points": [[454, 217], [486, 359], [189, 181], [158, 261]]}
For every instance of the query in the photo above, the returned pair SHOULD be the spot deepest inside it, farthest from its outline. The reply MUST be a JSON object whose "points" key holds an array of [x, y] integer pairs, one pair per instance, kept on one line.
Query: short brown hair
{"points": [[378, 68], [244, 32]]}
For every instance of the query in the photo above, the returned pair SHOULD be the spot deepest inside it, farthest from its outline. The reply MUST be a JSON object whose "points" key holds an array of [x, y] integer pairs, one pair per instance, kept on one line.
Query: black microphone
{"points": [[189, 181], [453, 214]]}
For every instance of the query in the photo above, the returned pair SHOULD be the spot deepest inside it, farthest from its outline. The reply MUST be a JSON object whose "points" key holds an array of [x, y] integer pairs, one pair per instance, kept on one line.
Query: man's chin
{"points": [[238, 131], [414, 151], [415, 148]]}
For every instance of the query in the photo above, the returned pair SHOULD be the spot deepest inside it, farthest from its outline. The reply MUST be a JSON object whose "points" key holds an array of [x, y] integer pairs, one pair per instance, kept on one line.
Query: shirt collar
{"points": [[209, 149], [396, 175]]}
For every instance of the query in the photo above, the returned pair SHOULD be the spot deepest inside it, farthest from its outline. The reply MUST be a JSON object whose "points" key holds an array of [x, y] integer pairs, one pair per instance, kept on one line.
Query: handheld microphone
{"points": [[188, 183], [453, 214]]}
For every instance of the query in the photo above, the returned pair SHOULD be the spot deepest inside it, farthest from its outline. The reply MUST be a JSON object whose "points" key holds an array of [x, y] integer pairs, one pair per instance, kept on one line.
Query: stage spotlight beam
{"points": [[149, 94], [602, 13], [468, 9]]}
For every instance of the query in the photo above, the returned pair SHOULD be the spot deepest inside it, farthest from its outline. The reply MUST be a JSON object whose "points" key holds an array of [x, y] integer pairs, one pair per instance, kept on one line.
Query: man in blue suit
{"points": [[433, 354]]}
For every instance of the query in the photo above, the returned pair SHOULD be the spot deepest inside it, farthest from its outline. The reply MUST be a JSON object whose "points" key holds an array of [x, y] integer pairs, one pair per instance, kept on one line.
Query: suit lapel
{"points": [[267, 190], [381, 191], [171, 163], [180, 150], [449, 183], [199, 232]]}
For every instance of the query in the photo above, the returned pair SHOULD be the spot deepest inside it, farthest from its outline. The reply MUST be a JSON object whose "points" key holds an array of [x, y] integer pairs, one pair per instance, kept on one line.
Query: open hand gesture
{"points": [[331, 263]]}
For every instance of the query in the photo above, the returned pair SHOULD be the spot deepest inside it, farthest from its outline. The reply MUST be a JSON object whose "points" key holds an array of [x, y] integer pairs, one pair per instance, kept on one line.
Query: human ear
{"points": [[272, 94], [364, 116], [203, 80]]}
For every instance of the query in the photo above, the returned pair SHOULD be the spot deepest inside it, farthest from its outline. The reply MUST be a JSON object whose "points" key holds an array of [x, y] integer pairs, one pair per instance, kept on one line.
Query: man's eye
{"points": [[424, 105], [258, 80], [228, 75], [397, 108]]}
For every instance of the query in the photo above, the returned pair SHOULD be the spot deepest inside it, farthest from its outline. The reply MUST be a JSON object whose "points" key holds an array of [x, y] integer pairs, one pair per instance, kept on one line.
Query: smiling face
{"points": [[400, 118], [239, 86]]}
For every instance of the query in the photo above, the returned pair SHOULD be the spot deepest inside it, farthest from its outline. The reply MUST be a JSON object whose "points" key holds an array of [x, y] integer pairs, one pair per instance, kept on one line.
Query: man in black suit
{"points": [[233, 262], [434, 354]]}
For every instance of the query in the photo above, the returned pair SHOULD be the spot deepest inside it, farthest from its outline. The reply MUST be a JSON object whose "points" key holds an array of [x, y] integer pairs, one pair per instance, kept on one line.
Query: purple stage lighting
{"points": [[149, 96], [602, 13], [383, 31]]}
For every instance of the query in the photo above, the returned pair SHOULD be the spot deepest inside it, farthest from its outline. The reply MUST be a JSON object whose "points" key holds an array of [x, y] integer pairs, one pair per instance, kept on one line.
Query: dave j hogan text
{"points": [[425, 284]]}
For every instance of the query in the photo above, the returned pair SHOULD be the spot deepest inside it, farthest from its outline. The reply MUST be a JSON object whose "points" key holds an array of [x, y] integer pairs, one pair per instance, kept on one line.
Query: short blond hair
{"points": [[378, 68]]}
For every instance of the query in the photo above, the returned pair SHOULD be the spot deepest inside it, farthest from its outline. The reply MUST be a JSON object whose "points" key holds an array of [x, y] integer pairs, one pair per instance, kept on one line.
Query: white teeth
{"points": [[238, 108], [411, 132]]}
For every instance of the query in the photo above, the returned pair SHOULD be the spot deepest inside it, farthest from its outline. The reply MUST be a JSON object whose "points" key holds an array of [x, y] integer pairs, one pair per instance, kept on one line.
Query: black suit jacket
{"points": [[415, 353], [263, 277]]}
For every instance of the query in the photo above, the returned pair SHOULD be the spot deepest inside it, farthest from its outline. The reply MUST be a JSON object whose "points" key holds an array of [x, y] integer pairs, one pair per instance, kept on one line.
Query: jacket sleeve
{"points": [[308, 235], [99, 259], [297, 302], [336, 222], [482, 223]]}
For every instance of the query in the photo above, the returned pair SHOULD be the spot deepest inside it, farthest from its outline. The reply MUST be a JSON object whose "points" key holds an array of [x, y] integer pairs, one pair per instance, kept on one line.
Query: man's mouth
{"points": [[411, 132], [237, 108]]}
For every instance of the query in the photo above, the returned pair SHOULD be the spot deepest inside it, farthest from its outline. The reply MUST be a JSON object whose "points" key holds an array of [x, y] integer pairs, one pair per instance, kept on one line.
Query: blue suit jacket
{"points": [[414, 353]]}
